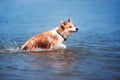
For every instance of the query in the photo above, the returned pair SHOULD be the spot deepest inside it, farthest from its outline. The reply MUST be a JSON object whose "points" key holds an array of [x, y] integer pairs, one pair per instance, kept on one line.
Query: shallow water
{"points": [[93, 52]]}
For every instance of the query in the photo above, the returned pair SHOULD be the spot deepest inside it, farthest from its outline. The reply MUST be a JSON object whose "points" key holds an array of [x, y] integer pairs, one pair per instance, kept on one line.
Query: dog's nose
{"points": [[76, 29]]}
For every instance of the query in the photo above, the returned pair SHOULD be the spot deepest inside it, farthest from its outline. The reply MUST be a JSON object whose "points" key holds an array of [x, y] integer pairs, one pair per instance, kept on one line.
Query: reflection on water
{"points": [[42, 63], [93, 52], [57, 61]]}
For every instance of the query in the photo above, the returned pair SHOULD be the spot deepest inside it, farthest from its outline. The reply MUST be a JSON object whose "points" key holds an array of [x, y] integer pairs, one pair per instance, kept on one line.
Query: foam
{"points": [[10, 50]]}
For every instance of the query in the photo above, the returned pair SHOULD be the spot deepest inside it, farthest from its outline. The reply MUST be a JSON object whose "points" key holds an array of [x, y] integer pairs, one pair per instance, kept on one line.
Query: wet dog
{"points": [[51, 40]]}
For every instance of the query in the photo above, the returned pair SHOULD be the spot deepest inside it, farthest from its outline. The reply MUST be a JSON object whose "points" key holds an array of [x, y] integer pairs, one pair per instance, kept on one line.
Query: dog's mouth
{"points": [[73, 30]]}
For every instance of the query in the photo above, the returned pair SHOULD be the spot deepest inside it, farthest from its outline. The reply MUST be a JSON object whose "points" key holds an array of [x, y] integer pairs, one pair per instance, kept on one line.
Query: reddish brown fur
{"points": [[46, 40], [40, 41], [66, 25]]}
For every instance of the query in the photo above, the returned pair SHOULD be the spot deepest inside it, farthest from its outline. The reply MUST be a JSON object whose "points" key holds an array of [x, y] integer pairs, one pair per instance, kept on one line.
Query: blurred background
{"points": [[93, 52]]}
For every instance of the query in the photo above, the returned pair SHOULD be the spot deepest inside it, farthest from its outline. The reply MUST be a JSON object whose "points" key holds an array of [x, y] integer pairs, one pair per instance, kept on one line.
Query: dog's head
{"points": [[66, 28]]}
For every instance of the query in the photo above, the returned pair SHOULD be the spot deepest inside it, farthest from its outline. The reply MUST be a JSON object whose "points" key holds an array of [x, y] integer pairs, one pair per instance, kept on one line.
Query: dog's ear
{"points": [[69, 20], [63, 23]]}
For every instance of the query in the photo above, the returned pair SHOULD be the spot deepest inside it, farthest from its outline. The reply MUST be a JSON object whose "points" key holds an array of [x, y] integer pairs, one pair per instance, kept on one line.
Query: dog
{"points": [[51, 40]]}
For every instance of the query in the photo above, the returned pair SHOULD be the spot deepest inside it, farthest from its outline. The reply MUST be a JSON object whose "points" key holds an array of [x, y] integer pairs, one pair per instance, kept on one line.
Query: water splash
{"points": [[9, 46], [10, 49]]}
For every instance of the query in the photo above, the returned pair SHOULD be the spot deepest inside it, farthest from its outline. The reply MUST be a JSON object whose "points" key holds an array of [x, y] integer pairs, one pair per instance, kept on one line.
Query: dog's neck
{"points": [[61, 35]]}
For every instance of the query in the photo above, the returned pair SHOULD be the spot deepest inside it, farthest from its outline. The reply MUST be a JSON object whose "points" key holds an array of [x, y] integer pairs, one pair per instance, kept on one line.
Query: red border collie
{"points": [[51, 40]]}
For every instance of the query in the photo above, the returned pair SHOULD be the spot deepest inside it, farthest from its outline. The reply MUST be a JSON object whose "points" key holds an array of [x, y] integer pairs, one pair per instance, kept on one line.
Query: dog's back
{"points": [[43, 41], [52, 39]]}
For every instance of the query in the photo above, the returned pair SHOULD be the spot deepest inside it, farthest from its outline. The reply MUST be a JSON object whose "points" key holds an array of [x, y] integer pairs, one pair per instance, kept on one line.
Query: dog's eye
{"points": [[70, 26]]}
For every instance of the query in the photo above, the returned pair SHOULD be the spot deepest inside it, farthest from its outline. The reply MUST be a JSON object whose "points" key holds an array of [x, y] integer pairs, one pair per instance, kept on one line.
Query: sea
{"points": [[93, 53]]}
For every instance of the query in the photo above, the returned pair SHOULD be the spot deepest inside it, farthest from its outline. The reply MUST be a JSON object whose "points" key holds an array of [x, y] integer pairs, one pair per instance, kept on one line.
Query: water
{"points": [[93, 52]]}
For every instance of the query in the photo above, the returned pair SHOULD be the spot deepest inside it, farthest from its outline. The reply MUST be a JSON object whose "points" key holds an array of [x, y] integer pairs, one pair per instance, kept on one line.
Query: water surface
{"points": [[93, 52]]}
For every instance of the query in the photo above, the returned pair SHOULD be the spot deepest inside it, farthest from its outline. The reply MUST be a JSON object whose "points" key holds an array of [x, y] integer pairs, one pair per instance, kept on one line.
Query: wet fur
{"points": [[50, 40]]}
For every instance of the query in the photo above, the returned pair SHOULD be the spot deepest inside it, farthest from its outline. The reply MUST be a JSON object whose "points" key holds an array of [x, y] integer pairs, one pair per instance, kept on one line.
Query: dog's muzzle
{"points": [[76, 29]]}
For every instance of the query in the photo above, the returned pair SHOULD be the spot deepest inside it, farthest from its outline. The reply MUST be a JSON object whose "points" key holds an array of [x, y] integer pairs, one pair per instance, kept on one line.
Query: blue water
{"points": [[93, 52]]}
